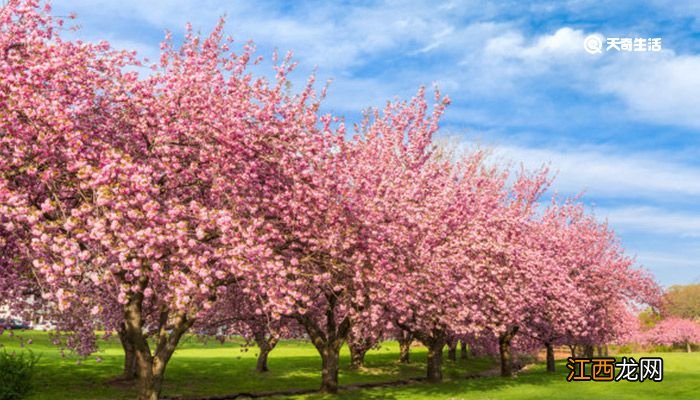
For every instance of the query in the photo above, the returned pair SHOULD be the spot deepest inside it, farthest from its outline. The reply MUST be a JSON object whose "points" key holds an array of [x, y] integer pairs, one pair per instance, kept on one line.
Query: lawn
{"points": [[210, 368]]}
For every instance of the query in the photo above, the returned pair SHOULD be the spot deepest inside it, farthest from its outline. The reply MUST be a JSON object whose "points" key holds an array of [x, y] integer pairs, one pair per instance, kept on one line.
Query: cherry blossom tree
{"points": [[674, 331], [611, 287], [332, 253], [148, 188], [196, 196], [242, 311], [507, 264], [575, 303], [407, 190], [48, 105], [361, 338], [557, 306]]}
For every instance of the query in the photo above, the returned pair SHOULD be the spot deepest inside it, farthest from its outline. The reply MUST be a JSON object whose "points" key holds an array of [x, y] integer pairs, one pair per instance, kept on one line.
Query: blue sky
{"points": [[623, 127]]}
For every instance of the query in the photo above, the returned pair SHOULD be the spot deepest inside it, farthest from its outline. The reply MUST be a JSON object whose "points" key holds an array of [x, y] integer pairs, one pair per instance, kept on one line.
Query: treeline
{"points": [[198, 197]]}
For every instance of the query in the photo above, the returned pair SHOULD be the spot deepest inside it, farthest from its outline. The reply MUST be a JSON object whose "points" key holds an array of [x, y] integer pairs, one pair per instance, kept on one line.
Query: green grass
{"points": [[201, 369], [681, 381]]}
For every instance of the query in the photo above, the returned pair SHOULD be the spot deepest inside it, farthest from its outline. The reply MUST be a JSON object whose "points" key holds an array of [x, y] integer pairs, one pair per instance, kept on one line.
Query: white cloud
{"points": [[662, 87], [486, 56], [609, 174], [653, 219], [562, 44], [438, 39], [669, 268], [321, 34], [658, 213], [669, 260]]}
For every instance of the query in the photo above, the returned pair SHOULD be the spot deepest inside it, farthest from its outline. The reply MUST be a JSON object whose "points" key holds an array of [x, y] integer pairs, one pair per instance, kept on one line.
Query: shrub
{"points": [[16, 371]]}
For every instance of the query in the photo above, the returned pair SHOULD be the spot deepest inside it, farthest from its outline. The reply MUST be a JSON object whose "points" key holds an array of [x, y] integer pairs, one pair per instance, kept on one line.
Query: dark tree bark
{"points": [[434, 373], [330, 365], [688, 349], [359, 346], [588, 351], [129, 373], [328, 342], [504, 346], [602, 350], [261, 365], [357, 356], [405, 340], [150, 366], [265, 344], [435, 342], [452, 350], [464, 350], [550, 357]]}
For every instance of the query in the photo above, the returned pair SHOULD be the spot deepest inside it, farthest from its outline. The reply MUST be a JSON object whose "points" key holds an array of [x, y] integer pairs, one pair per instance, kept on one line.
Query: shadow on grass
{"points": [[187, 378], [212, 369], [450, 388], [300, 376]]}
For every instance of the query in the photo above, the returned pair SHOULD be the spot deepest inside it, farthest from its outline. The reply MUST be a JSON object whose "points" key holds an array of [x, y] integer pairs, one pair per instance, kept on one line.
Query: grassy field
{"points": [[205, 369]]}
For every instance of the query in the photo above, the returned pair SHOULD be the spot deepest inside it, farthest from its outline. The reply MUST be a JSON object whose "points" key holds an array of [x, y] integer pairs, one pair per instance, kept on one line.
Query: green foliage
{"points": [[682, 301], [16, 373], [648, 318]]}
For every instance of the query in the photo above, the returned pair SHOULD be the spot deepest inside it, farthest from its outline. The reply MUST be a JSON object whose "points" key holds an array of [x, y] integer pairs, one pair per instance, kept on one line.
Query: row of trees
{"points": [[198, 197], [681, 301], [671, 331], [675, 322]]}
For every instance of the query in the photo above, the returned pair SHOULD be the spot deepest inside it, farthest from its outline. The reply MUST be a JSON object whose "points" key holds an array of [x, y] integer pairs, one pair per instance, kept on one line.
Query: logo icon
{"points": [[593, 44]]}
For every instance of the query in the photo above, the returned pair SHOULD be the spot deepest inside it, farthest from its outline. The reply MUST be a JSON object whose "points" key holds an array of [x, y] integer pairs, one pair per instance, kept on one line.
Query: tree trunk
{"points": [[129, 372], [261, 365], [328, 342], [550, 357], [435, 360], [265, 344], [506, 357], [357, 356], [329, 373], [464, 351], [452, 350], [405, 340], [150, 367], [359, 346], [150, 384], [504, 347], [687, 347], [588, 351], [572, 347], [150, 380]]}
